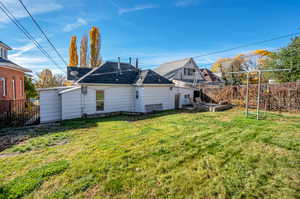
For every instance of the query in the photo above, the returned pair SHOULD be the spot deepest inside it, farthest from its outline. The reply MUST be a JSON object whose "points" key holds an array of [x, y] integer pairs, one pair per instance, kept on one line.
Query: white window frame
{"points": [[102, 100], [4, 85], [21, 87], [13, 88]]}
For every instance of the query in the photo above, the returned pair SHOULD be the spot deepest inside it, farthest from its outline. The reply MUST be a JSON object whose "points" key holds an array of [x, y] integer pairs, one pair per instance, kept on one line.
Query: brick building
{"points": [[11, 77]]}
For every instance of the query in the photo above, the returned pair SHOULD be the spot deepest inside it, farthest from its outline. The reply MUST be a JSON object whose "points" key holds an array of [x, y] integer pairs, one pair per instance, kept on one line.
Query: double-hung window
{"points": [[3, 85], [13, 86], [99, 100], [21, 87]]}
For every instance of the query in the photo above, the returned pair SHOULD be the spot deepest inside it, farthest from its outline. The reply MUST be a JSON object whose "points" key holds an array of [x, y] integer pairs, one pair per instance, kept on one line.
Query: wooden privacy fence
{"points": [[274, 97], [15, 113]]}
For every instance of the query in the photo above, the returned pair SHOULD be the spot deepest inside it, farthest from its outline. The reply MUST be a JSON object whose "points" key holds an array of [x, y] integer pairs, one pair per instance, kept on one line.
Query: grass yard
{"points": [[167, 155]]}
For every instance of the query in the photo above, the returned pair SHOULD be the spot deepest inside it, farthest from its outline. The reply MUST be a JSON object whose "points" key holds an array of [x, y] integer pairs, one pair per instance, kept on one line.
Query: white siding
{"points": [[159, 95], [139, 103], [50, 106], [71, 104], [183, 92], [116, 98]]}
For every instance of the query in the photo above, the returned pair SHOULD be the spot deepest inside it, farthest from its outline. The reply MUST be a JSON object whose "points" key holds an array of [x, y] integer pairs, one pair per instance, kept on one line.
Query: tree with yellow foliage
{"points": [[95, 47], [262, 52], [217, 66], [73, 56], [83, 51]]}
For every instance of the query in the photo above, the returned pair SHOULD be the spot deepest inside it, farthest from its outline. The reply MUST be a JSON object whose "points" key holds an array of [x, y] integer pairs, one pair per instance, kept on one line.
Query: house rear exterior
{"points": [[112, 87]]}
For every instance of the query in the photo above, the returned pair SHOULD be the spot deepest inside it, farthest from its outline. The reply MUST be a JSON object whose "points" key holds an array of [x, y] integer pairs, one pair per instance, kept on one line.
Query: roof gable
{"points": [[168, 67], [5, 45]]}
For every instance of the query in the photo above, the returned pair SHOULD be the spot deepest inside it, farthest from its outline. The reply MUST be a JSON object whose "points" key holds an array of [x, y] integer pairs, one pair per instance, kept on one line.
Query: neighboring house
{"points": [[184, 73], [112, 87], [11, 77], [186, 76], [210, 77]]}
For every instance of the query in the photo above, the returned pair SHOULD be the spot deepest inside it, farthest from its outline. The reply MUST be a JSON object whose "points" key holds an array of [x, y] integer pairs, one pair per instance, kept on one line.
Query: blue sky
{"points": [[156, 31]]}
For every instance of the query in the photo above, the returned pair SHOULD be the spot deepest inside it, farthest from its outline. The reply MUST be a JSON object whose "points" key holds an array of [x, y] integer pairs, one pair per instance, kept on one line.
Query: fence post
{"points": [[247, 95], [258, 94]]}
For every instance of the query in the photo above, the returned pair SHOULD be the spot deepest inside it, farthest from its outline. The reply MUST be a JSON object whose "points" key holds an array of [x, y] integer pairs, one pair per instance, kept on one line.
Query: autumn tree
{"points": [[217, 66], [227, 65], [73, 52], [83, 51], [46, 79], [95, 46]]}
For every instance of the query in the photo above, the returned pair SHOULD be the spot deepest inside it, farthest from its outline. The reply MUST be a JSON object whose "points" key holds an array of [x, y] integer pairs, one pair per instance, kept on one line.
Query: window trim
{"points": [[13, 88], [102, 100], [21, 88], [4, 85]]}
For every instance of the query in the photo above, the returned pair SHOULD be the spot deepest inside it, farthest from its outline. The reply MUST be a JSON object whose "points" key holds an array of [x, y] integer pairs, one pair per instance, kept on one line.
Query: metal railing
{"points": [[16, 113]]}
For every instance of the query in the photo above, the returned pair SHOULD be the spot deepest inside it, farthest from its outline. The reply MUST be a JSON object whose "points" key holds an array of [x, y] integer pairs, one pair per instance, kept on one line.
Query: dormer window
{"points": [[189, 71], [3, 53]]}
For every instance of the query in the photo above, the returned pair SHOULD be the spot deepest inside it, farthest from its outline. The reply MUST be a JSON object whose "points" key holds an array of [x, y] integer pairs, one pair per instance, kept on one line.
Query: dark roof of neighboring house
{"points": [[168, 67], [209, 75], [5, 45], [151, 77], [75, 73], [109, 73], [9, 64]]}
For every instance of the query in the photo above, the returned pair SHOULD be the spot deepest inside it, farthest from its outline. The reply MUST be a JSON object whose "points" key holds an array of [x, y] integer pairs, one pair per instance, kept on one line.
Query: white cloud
{"points": [[186, 3], [29, 57], [80, 22], [136, 8], [34, 6], [20, 58]]}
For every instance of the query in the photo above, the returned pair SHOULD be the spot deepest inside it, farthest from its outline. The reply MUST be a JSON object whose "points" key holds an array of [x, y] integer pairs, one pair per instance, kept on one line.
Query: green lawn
{"points": [[167, 155]]}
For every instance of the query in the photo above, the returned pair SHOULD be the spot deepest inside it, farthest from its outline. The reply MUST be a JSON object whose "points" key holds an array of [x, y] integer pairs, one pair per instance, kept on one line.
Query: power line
{"points": [[249, 44], [27, 34], [243, 46], [39, 27]]}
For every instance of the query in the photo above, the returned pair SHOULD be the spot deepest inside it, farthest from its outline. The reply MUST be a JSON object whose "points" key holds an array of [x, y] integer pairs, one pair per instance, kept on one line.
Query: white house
{"points": [[184, 73], [186, 76], [112, 87]]}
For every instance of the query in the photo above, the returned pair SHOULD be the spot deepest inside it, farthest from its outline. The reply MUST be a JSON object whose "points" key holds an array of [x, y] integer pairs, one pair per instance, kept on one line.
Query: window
{"points": [[137, 94], [13, 88], [189, 71], [21, 87], [3, 85], [99, 100]]}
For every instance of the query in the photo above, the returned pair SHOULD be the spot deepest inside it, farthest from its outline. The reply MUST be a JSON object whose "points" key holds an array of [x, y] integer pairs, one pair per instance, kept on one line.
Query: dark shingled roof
{"points": [[151, 77], [108, 73], [209, 76], [75, 73]]}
